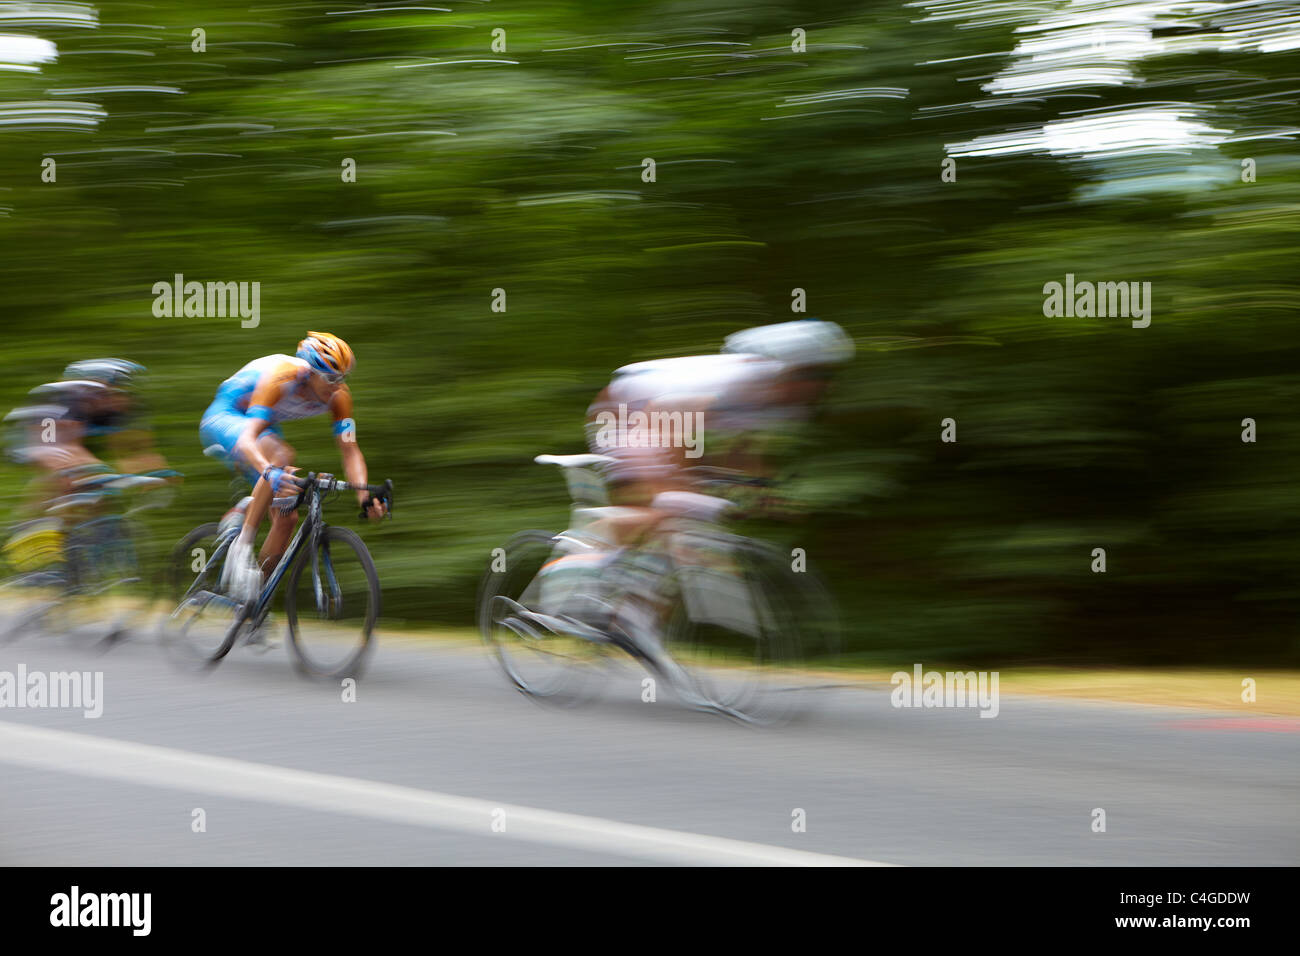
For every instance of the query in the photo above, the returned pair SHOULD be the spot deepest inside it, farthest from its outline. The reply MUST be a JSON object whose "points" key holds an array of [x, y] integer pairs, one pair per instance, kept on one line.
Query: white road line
{"points": [[87, 755]]}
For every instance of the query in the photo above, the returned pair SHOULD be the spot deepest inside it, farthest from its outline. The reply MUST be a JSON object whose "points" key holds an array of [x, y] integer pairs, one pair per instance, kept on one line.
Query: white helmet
{"points": [[803, 342]]}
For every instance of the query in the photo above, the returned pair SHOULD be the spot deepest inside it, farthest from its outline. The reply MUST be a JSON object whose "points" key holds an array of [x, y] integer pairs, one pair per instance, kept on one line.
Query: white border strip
{"points": [[66, 752]]}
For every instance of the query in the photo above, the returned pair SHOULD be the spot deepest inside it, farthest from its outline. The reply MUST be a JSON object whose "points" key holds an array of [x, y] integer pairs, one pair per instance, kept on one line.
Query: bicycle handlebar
{"points": [[116, 482], [328, 482], [94, 488]]}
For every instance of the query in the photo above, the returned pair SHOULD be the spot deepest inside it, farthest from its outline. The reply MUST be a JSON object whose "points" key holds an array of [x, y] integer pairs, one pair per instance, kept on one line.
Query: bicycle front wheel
{"points": [[105, 569], [32, 604], [331, 601], [745, 629]]}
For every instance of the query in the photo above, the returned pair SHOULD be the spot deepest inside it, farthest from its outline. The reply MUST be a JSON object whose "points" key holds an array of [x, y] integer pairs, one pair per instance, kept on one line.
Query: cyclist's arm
{"points": [[67, 449], [246, 449], [693, 409], [266, 395], [748, 421], [345, 436], [135, 452]]}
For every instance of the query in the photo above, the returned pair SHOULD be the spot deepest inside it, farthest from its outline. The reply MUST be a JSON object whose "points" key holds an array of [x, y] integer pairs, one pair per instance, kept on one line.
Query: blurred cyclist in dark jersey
{"points": [[69, 424], [64, 432]]}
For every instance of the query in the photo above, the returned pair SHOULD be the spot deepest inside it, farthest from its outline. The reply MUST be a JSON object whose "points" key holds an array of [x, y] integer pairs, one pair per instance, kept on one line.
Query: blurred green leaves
{"points": [[474, 175]]}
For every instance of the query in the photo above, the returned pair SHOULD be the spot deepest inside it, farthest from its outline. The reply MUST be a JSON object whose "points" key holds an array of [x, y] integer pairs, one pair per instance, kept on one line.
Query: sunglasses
{"points": [[334, 378]]}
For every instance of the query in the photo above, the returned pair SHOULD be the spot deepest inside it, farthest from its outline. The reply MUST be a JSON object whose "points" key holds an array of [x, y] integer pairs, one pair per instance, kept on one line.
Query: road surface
{"points": [[438, 761]]}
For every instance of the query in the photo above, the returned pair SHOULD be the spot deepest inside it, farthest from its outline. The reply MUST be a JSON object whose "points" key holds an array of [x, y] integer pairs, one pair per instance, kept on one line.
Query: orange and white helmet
{"points": [[327, 354]]}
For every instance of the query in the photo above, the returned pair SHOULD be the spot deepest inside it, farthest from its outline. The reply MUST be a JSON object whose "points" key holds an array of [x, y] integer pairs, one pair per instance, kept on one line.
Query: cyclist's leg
{"points": [[641, 610], [59, 465], [36, 543], [281, 454], [221, 429], [42, 536], [633, 480]]}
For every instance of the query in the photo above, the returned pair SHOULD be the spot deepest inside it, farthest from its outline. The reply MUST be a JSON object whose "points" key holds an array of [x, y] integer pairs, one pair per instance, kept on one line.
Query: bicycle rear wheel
{"points": [[203, 623], [331, 600], [539, 662]]}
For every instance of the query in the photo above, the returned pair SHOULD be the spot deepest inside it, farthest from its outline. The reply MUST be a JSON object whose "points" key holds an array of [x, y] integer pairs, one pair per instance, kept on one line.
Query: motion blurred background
{"points": [[1103, 139]]}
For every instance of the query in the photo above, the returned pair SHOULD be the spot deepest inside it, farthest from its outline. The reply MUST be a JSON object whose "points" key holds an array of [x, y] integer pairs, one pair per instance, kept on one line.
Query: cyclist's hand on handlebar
{"points": [[373, 509], [283, 480]]}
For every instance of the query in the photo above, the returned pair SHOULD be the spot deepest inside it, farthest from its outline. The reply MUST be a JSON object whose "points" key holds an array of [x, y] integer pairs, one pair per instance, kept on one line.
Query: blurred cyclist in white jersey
{"points": [[657, 422], [728, 405]]}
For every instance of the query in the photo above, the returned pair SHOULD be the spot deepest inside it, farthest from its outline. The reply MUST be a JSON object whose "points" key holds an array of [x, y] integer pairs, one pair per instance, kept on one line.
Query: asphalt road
{"points": [[438, 761]]}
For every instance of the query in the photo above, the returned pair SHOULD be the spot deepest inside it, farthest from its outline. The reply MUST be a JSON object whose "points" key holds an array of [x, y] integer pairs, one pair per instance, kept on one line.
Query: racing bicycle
{"points": [[731, 620], [331, 588], [81, 559]]}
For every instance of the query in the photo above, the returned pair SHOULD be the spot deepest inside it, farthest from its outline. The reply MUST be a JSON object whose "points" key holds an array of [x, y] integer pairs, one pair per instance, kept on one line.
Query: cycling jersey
{"points": [[730, 387], [273, 389]]}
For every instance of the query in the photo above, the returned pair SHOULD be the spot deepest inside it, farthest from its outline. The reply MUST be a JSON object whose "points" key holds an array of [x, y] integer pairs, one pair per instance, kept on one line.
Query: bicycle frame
{"points": [[246, 619], [665, 541], [313, 524], [93, 544], [695, 582], [97, 543]]}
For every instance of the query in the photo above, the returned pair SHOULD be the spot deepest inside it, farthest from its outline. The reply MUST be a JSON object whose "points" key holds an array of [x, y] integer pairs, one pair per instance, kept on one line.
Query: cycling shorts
{"points": [[221, 428]]}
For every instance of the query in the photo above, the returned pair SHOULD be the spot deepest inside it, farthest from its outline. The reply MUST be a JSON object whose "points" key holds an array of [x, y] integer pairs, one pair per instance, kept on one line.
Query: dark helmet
{"points": [[113, 372]]}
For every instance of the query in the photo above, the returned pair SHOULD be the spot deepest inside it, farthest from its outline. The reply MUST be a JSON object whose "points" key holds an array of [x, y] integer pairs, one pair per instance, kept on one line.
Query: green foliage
{"points": [[525, 175]]}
